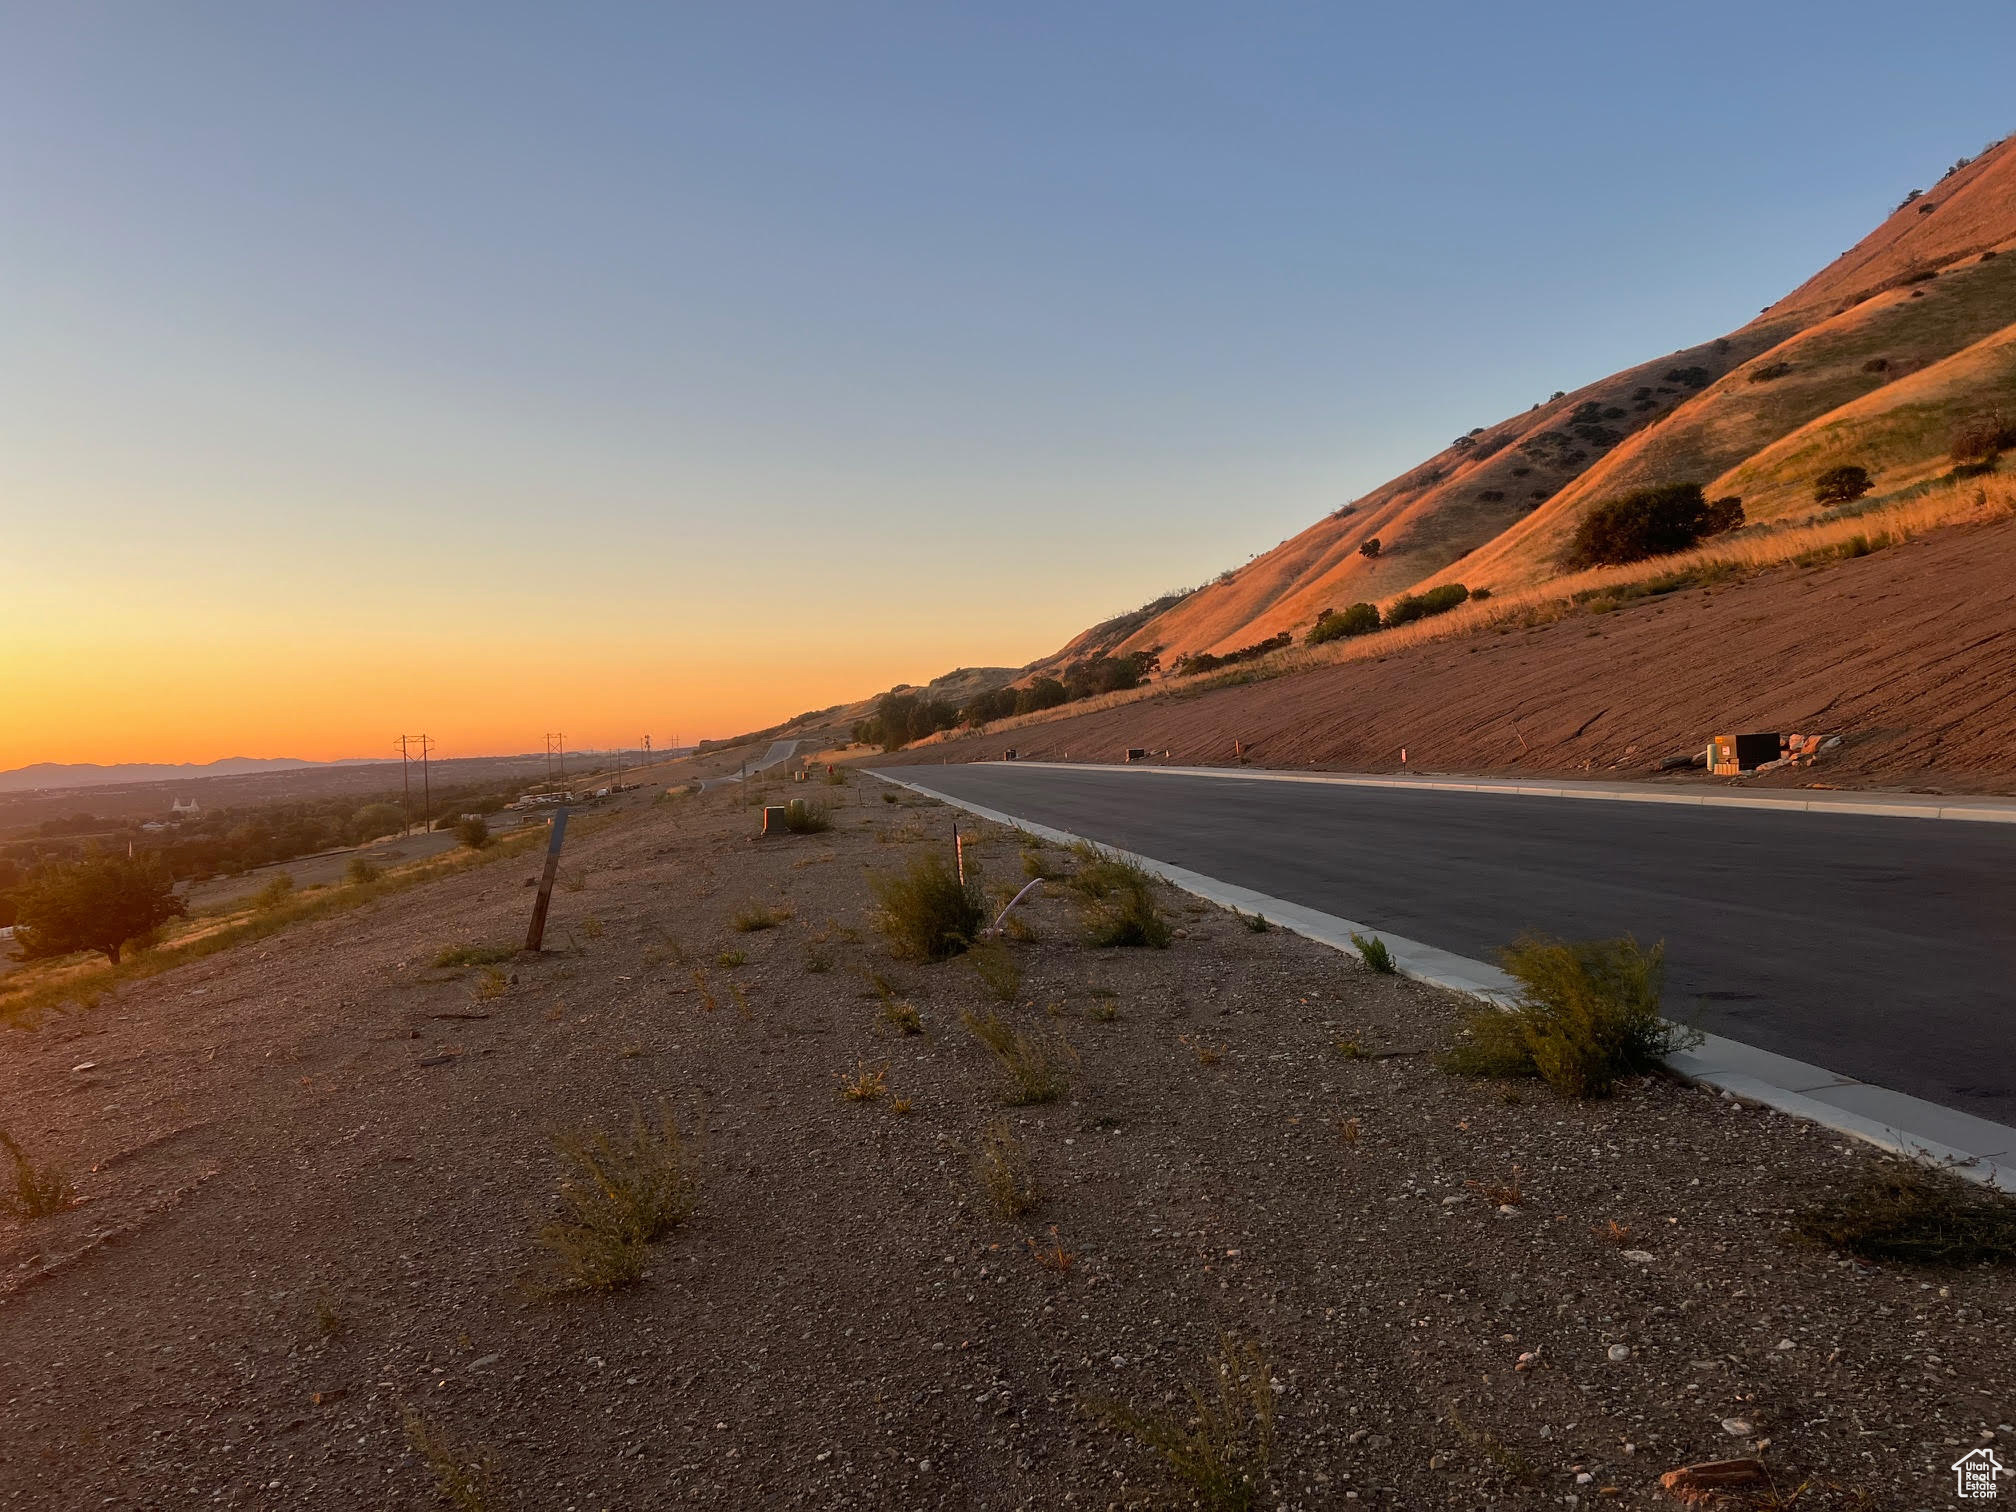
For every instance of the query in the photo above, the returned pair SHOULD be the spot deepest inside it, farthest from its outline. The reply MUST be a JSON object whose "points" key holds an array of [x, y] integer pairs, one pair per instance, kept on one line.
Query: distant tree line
{"points": [[903, 717]]}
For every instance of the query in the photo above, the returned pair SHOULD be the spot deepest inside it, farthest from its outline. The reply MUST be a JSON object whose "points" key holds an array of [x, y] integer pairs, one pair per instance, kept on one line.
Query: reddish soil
{"points": [[1909, 653], [313, 1168]]}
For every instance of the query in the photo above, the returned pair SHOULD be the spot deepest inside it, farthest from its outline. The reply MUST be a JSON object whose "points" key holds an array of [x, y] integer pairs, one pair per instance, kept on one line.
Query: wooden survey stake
{"points": [[538, 930]]}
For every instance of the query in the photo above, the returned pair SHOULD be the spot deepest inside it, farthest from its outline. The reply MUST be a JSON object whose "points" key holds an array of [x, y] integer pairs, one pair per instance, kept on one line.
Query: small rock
{"points": [[1619, 1353], [1736, 1427], [1787, 1344], [1643, 1257], [481, 1360]]}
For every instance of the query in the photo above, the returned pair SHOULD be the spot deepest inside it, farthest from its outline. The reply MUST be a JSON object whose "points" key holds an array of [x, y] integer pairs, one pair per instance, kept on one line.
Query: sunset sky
{"points": [[489, 370]]}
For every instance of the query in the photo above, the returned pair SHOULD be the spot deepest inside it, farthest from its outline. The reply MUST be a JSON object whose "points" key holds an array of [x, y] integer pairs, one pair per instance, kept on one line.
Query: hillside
{"points": [[1494, 507]]}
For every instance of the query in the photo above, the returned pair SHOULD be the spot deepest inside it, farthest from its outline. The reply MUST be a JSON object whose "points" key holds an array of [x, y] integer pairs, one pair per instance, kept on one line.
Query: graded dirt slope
{"points": [[1910, 652], [314, 1171]]}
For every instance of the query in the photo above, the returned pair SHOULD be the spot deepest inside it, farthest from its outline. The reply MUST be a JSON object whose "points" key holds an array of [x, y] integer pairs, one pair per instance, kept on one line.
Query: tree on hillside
{"points": [[1649, 522], [101, 903], [1841, 485]]}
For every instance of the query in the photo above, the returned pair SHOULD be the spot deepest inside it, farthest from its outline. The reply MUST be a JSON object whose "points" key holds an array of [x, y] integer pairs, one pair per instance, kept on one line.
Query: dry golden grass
{"points": [[1038, 1066], [1218, 1450], [1004, 1170], [621, 1193]]}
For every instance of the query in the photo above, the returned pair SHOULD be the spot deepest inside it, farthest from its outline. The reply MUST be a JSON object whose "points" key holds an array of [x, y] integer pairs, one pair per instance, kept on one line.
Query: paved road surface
{"points": [[1881, 948]]}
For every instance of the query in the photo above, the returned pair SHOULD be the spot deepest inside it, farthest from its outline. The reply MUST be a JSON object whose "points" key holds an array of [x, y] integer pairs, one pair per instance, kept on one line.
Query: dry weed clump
{"points": [[1207, 1053], [1900, 1210], [1501, 1192], [1038, 1066], [997, 968], [1119, 903], [465, 1479], [1587, 1016], [926, 912], [493, 983], [620, 1195], [802, 817], [39, 1191], [865, 1083], [1219, 1450], [473, 955], [1006, 1175], [752, 917], [1053, 1257]]}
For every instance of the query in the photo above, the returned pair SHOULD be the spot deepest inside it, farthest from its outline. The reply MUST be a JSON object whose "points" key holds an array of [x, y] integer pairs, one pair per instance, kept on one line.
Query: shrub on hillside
{"points": [[473, 832], [1414, 606], [1649, 522], [1336, 624], [1980, 442], [1842, 485], [1044, 693], [1769, 371], [1369, 548]]}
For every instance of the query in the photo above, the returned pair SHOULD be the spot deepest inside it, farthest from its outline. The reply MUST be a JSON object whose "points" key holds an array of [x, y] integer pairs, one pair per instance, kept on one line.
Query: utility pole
{"points": [[405, 784], [647, 753], [556, 745], [427, 744]]}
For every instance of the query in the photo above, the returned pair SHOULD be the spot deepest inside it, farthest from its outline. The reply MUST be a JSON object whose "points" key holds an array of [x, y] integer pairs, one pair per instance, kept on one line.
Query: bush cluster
{"points": [[1649, 522], [927, 913], [1979, 443], [1842, 485], [1335, 624], [1415, 606], [1203, 661]]}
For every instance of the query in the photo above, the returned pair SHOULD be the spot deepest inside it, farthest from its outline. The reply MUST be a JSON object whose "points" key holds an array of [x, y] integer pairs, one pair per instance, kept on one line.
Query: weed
{"points": [[1588, 1014], [1207, 1053], [665, 952], [1038, 1067], [817, 962], [1610, 1231], [1496, 1450], [493, 983], [1350, 1049], [573, 881], [1373, 952], [1505, 1193], [901, 1016], [1054, 1258], [630, 1052], [836, 778], [592, 927], [1256, 923], [465, 1480], [732, 958], [890, 798], [328, 1322], [474, 955], [361, 871], [1005, 1172], [997, 968], [708, 1002], [1120, 905], [803, 818], [619, 1196], [1104, 1010], [38, 1190], [1348, 1130], [1019, 929], [865, 1084], [900, 1106], [742, 1009], [1899, 1210], [927, 912], [275, 894], [1218, 1450], [1037, 863], [752, 917]]}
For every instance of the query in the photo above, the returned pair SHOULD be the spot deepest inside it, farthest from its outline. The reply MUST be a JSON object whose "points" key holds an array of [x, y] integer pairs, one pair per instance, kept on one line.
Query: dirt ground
{"points": [[312, 1170], [1909, 653]]}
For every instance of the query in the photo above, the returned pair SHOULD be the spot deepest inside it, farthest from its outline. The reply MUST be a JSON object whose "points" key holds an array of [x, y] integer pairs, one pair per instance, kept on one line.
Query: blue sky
{"points": [[783, 351]]}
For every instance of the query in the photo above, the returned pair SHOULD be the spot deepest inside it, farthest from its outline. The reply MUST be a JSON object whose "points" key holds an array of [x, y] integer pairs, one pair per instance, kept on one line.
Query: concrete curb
{"points": [[1892, 1121], [1887, 805]]}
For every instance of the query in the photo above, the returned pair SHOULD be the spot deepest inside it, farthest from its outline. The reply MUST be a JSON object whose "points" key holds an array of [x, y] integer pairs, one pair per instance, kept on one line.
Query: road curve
{"points": [[1881, 948]]}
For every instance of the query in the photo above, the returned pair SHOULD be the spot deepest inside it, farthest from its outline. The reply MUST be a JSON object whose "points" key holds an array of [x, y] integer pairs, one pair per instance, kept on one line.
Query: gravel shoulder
{"points": [[313, 1167]]}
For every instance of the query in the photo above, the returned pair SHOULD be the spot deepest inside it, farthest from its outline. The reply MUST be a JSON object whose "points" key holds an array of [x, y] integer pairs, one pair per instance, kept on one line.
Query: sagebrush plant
{"points": [[1120, 907], [1587, 1016], [618, 1196], [359, 871], [466, 1479], [39, 1191], [1899, 1210], [1038, 1066], [1004, 1170], [926, 912], [802, 817], [1220, 1449], [1373, 952]]}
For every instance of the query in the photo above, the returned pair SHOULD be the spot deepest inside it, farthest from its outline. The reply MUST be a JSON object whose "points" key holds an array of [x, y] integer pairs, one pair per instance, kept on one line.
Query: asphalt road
{"points": [[1881, 948]]}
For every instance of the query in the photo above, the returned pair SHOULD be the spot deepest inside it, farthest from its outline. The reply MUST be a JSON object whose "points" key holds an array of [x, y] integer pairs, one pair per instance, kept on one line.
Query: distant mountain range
{"points": [[57, 775]]}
